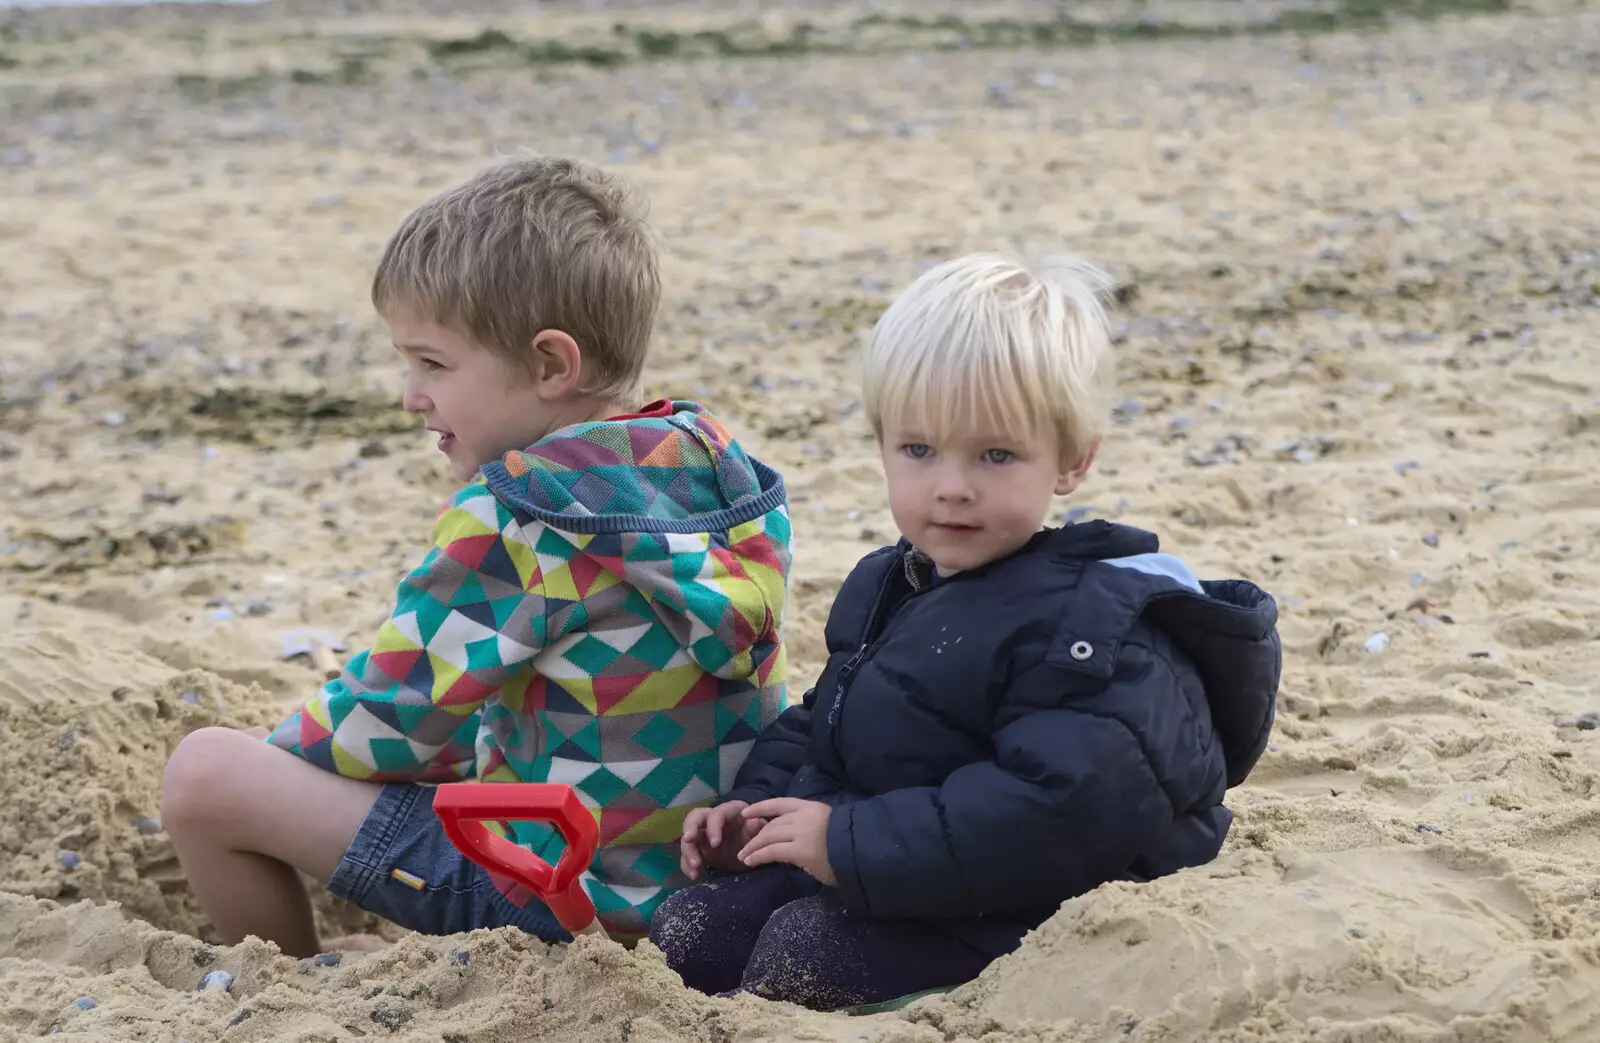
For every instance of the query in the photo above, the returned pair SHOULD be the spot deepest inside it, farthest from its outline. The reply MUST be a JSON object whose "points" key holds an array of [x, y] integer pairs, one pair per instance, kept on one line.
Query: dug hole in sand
{"points": [[1359, 369]]}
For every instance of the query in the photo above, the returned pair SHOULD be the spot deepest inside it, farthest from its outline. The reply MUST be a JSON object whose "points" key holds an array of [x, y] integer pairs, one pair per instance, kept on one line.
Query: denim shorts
{"points": [[402, 867]]}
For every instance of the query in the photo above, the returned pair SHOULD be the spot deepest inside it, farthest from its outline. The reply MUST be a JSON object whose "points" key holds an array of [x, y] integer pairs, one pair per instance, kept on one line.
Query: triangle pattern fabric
{"points": [[532, 643]]}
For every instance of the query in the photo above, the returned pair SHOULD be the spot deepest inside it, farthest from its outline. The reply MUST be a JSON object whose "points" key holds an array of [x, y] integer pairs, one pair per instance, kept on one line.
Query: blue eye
{"points": [[998, 456], [917, 451]]}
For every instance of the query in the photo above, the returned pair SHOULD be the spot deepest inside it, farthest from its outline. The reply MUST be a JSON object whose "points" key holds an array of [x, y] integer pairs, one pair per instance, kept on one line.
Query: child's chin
{"points": [[950, 564], [462, 472]]}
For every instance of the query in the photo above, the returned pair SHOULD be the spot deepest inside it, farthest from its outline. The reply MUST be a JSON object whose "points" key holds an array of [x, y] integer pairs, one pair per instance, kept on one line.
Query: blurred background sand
{"points": [[1358, 249]]}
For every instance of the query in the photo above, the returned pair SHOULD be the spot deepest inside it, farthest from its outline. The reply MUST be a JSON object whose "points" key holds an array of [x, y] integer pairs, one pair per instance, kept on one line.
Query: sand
{"points": [[1357, 367]]}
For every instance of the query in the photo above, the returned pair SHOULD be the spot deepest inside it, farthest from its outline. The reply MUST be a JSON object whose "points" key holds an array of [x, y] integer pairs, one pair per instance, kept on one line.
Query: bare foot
{"points": [[355, 943]]}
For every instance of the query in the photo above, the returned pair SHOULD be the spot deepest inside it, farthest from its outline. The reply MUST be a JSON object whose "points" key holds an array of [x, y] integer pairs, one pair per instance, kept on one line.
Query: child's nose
{"points": [[413, 400], [953, 485]]}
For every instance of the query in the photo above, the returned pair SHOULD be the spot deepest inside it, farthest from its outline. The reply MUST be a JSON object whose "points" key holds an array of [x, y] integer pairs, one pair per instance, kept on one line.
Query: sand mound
{"points": [[93, 974], [1427, 944], [1361, 298], [88, 724]]}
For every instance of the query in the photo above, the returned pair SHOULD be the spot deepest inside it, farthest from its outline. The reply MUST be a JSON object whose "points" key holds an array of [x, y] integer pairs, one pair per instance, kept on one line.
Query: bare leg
{"points": [[246, 819]]}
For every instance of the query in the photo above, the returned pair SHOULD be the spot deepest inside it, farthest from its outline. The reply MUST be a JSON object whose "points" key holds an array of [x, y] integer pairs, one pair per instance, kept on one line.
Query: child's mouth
{"points": [[445, 442]]}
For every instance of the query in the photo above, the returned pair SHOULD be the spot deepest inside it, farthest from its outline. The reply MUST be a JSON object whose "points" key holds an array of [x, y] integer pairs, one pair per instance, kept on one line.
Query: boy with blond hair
{"points": [[1011, 714], [600, 605]]}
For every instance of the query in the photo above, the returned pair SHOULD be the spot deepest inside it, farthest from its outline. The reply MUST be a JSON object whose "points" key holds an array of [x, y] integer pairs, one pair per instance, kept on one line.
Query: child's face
{"points": [[974, 496], [480, 407]]}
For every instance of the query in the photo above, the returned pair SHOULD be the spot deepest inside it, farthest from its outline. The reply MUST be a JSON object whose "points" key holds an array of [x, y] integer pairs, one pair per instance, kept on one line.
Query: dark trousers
{"points": [[776, 932]]}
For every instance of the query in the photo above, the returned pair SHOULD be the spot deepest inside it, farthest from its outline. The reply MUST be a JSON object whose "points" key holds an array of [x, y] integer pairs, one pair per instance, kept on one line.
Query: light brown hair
{"points": [[530, 244]]}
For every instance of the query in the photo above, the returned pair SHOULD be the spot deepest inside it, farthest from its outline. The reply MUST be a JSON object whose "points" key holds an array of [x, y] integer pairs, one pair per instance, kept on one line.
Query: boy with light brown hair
{"points": [[600, 604]]}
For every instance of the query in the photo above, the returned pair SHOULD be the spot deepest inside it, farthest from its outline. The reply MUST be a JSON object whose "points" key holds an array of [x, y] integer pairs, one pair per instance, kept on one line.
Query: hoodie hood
{"points": [[681, 473], [667, 508]]}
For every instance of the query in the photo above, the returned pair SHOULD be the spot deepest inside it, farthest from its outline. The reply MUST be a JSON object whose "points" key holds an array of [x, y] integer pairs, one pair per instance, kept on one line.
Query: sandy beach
{"points": [[1358, 365]]}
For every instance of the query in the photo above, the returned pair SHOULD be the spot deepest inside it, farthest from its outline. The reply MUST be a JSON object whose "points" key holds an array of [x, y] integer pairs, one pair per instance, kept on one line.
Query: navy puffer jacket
{"points": [[1001, 740]]}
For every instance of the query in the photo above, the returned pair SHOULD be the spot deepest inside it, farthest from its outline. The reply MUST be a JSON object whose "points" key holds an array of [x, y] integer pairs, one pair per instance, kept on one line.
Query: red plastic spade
{"points": [[462, 808]]}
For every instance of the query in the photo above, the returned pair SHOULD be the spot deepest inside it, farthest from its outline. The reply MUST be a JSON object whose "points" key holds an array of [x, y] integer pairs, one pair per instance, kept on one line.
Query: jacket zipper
{"points": [[842, 679]]}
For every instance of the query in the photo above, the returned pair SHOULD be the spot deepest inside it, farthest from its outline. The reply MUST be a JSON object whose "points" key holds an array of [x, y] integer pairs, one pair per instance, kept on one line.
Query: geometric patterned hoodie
{"points": [[601, 609]]}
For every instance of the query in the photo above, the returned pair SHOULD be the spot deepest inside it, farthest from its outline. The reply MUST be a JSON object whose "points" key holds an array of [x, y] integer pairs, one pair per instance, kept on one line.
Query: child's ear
{"points": [[557, 364], [1069, 480]]}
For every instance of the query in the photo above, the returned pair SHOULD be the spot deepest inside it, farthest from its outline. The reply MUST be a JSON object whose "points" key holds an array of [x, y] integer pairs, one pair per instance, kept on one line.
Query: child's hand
{"points": [[796, 832], [713, 836]]}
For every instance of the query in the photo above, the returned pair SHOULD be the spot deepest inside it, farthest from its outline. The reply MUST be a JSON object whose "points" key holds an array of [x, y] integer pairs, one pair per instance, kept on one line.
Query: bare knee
{"points": [[225, 789], [197, 788]]}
